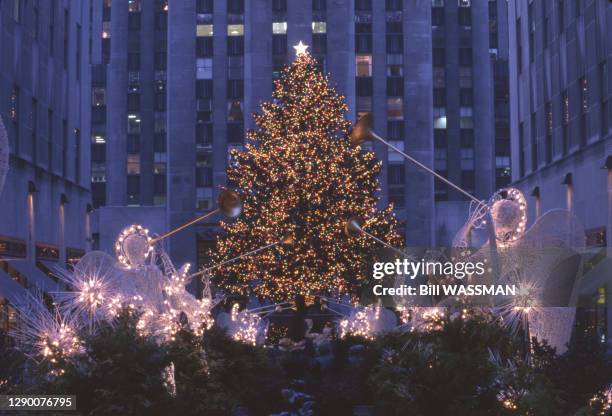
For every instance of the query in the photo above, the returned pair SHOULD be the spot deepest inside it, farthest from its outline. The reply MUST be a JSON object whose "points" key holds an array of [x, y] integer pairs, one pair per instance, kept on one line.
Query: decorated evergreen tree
{"points": [[299, 176]]}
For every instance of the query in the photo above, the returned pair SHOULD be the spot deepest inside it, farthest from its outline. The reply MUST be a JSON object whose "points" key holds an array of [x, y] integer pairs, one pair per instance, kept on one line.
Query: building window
{"points": [[465, 77], [395, 65], [235, 67], [397, 196], [464, 16], [584, 104], [565, 121], [465, 56], [395, 108], [561, 11], [235, 45], [204, 68], [549, 132], [134, 81], [234, 111], [466, 97], [133, 123], [235, 30], [521, 149], [280, 28], [364, 104], [395, 130], [318, 27], [363, 65], [133, 6], [467, 158], [603, 90], [395, 87], [534, 143], [440, 158], [363, 86], [439, 114], [160, 122], [439, 77], [439, 57], [519, 47], [466, 120], [204, 30], [439, 97], [133, 164], [437, 15]]}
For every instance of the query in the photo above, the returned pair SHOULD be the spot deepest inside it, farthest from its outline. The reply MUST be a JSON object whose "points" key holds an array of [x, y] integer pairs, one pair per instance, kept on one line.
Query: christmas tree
{"points": [[299, 176]]}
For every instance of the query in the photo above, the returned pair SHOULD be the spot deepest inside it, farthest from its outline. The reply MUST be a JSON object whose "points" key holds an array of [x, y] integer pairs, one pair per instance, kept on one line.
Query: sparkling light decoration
{"points": [[367, 322], [91, 284], [133, 246], [246, 326], [47, 336], [299, 175]]}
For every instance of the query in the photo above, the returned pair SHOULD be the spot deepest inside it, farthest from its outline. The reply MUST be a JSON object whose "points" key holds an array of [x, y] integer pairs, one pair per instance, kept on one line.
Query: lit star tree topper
{"points": [[299, 176]]}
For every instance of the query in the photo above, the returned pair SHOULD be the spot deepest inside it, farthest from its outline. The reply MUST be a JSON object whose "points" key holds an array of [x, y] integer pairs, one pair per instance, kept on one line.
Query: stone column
{"points": [[181, 198]]}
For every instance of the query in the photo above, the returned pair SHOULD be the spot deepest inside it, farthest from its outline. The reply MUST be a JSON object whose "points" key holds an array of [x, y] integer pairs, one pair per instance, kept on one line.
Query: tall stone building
{"points": [[561, 83], [44, 104]]}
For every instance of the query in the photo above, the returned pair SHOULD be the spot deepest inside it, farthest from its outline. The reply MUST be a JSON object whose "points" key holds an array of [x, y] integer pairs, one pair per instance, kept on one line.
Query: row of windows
{"points": [[542, 150]]}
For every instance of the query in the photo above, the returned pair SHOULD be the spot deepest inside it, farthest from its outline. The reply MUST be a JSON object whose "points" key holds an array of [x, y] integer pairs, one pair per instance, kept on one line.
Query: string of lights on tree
{"points": [[299, 175]]}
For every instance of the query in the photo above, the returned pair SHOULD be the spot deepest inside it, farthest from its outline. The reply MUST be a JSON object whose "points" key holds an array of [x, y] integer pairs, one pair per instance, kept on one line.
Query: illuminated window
{"points": [[439, 118], [235, 30], [204, 30], [363, 65], [133, 123], [319, 27], [395, 108], [133, 164], [279, 28]]}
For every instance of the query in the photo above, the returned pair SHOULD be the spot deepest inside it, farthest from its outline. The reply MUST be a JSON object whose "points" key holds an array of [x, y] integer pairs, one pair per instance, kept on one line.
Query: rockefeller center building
{"points": [[174, 85], [561, 83], [44, 109]]}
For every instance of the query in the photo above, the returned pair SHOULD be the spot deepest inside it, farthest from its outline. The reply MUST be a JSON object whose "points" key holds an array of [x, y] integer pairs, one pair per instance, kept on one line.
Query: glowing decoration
{"points": [[246, 326], [299, 175], [169, 380], [509, 212], [133, 246], [45, 335], [300, 49], [91, 285], [367, 322], [4, 154]]}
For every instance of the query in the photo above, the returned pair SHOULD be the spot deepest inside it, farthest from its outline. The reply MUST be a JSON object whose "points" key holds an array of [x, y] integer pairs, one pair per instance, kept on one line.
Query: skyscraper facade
{"points": [[560, 78], [44, 105], [427, 70]]}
